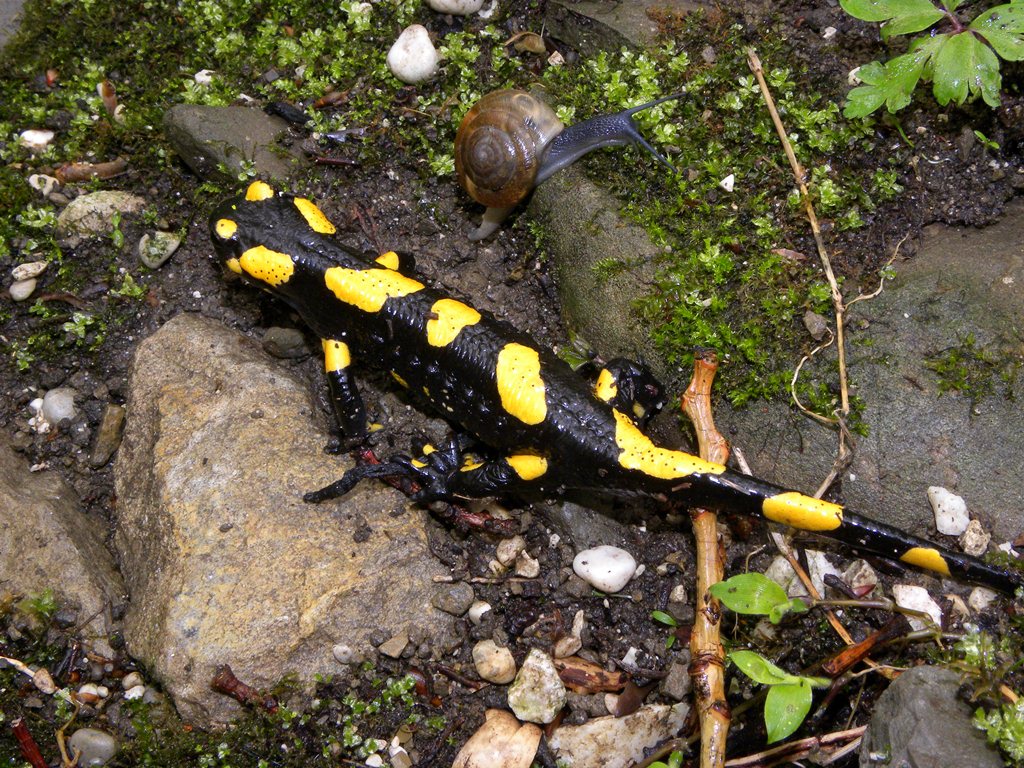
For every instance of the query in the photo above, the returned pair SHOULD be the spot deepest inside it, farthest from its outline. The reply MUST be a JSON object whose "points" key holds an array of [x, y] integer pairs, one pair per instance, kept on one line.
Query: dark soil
{"points": [[948, 178]]}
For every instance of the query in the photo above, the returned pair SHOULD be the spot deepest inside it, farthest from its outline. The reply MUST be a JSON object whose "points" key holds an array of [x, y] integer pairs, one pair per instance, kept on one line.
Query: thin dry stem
{"points": [[707, 667]]}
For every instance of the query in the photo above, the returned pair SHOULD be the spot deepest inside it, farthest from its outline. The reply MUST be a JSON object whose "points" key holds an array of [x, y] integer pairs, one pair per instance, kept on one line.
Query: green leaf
{"points": [[785, 708], [759, 669], [1003, 29], [750, 593], [892, 83], [899, 17], [796, 605], [665, 618], [965, 67]]}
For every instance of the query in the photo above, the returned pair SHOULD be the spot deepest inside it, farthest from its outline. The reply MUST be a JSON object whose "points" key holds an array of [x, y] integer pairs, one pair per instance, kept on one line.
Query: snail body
{"points": [[510, 141]]}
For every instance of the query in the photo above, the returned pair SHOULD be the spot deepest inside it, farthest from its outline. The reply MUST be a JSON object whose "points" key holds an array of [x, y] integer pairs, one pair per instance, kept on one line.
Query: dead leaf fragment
{"points": [[582, 676]]}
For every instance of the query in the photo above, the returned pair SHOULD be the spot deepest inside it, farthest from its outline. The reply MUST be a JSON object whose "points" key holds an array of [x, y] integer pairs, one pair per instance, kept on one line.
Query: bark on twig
{"points": [[707, 667]]}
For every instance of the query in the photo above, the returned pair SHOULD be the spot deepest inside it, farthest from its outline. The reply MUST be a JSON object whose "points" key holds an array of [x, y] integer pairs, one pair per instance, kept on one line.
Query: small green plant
{"points": [[1004, 728], [756, 594], [789, 696], [675, 760], [42, 605], [961, 60], [669, 621]]}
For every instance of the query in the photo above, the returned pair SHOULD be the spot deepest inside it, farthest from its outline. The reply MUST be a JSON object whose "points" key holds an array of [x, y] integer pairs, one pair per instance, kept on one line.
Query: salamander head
{"points": [[257, 234]]}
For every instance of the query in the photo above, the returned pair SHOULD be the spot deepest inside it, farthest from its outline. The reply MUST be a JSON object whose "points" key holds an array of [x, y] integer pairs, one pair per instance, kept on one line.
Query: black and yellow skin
{"points": [[528, 420]]}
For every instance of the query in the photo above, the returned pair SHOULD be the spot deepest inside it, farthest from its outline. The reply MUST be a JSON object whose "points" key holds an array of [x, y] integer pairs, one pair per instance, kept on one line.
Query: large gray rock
{"points": [[961, 282], [48, 542], [210, 137], [592, 26], [920, 723], [224, 562]]}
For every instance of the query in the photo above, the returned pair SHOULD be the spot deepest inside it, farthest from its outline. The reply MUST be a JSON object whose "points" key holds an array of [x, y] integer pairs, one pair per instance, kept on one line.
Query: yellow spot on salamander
{"points": [[337, 356], [803, 512], [926, 557], [389, 260], [519, 383], [259, 190], [528, 466], [452, 317], [225, 228], [368, 289], [606, 389], [234, 266], [399, 379], [642, 455], [272, 267], [470, 464], [314, 216]]}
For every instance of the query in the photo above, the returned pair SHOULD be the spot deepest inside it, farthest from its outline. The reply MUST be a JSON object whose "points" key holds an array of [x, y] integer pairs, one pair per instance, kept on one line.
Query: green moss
{"points": [[975, 371]]}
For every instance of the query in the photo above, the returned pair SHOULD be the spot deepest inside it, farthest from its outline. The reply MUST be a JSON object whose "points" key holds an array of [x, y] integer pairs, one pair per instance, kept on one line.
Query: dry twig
{"points": [[707, 667]]}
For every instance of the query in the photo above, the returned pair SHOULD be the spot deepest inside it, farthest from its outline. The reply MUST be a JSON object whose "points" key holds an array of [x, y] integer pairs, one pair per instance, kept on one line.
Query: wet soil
{"points": [[948, 176]]}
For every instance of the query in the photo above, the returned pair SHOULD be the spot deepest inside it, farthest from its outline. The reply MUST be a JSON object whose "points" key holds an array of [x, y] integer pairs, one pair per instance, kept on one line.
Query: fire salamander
{"points": [[529, 420]]}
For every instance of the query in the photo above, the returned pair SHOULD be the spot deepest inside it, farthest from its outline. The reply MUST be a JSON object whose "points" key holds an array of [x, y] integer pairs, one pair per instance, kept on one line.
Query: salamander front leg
{"points": [[349, 411]]}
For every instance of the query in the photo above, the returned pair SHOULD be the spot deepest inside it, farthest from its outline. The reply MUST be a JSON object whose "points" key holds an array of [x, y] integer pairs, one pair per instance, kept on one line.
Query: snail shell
{"points": [[500, 144]]}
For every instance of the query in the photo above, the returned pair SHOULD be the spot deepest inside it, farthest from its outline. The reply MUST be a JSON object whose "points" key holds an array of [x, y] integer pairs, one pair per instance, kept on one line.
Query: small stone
{"points": [[93, 213], [135, 692], [284, 343], [527, 567], [131, 680], [728, 183], [456, 7], [395, 645], [29, 270], [782, 573], [494, 663], [35, 140], [477, 610], [346, 654], [917, 599], [828, 33], [537, 694], [818, 566], [59, 405], [605, 568], [413, 58], [509, 549], [108, 437], [454, 599], [95, 747], [156, 249], [974, 540], [566, 646], [980, 598], [951, 517], [677, 684], [22, 289], [859, 575], [678, 594], [815, 324], [501, 742], [42, 183]]}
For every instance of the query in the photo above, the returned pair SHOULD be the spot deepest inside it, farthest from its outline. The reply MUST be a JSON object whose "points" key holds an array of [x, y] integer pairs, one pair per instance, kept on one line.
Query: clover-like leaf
{"points": [[965, 67], [899, 17], [759, 669], [749, 593], [1003, 29]]}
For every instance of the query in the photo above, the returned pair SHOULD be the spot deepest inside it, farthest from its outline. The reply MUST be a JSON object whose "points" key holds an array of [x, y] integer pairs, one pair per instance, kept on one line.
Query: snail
{"points": [[511, 141]]}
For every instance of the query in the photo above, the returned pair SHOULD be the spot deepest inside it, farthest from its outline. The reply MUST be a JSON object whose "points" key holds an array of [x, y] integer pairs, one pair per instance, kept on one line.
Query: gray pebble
{"points": [[109, 435], [156, 249], [96, 747], [453, 598], [284, 343]]}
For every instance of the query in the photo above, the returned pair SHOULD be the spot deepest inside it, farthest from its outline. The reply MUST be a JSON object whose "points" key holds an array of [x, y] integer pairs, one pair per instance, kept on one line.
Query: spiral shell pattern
{"points": [[499, 146]]}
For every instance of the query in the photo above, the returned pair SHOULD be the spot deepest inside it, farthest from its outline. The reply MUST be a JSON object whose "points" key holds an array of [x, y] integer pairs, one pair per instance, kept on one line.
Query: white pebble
{"points": [[58, 405], [728, 183], [346, 654], [527, 567], [135, 692], [917, 599], [537, 694], [456, 7], [42, 183], [951, 516], [203, 76], [494, 663], [477, 610], [35, 140], [818, 566], [980, 598], [828, 33], [413, 58], [95, 747], [22, 289], [606, 568], [131, 680], [28, 270]]}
